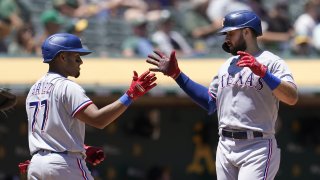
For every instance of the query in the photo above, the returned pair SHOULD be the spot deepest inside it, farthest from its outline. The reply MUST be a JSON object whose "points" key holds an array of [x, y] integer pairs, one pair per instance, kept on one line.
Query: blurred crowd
{"points": [[134, 28]]}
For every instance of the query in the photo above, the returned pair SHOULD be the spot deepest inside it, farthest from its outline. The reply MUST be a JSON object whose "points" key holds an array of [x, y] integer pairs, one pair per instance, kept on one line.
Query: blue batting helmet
{"points": [[61, 42], [241, 19]]}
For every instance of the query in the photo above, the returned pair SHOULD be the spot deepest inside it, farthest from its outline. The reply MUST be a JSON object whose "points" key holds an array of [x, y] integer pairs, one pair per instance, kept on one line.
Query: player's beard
{"points": [[77, 75], [240, 46]]}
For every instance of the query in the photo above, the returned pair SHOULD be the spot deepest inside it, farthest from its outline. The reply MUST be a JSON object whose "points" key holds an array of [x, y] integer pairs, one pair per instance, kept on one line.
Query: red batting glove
{"points": [[23, 166], [247, 60], [168, 66], [142, 84], [95, 155]]}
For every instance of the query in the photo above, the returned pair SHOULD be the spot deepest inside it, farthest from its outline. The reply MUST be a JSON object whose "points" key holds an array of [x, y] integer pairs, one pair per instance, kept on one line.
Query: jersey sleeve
{"points": [[281, 70], [75, 98]]}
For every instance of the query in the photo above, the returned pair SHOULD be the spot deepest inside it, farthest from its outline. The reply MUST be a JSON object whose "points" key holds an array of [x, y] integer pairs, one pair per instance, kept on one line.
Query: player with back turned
{"points": [[246, 94], [58, 110]]}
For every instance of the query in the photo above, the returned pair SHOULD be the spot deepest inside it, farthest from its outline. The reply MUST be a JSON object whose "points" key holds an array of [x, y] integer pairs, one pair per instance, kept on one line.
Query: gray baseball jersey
{"points": [[244, 100], [246, 103], [51, 105]]}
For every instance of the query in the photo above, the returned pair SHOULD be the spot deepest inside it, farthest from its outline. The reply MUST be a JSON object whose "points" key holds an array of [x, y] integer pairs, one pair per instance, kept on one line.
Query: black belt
{"points": [[42, 150], [240, 134]]}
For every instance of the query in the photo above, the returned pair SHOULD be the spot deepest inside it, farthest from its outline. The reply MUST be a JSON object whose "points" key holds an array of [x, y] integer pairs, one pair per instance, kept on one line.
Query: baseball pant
{"points": [[247, 159], [46, 165]]}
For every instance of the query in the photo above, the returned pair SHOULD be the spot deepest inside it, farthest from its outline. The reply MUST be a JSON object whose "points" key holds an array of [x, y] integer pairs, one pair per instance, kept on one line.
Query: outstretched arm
{"points": [[169, 66], [197, 92], [100, 118]]}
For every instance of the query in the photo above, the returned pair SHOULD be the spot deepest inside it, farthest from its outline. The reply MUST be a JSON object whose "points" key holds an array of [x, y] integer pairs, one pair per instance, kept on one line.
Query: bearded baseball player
{"points": [[58, 110], [245, 93]]}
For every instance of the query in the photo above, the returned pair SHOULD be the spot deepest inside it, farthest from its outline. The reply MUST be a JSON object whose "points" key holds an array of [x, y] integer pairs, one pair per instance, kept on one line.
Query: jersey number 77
{"points": [[42, 107]]}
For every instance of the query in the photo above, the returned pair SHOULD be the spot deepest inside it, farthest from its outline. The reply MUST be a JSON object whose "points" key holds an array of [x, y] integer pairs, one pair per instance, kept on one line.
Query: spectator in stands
{"points": [[52, 23], [174, 6], [5, 30], [23, 43], [118, 8], [217, 9], [10, 11], [84, 9], [129, 4], [73, 8], [198, 25], [77, 26], [258, 7], [138, 44], [305, 24], [167, 39], [302, 46], [196, 21], [13, 14], [278, 30]]}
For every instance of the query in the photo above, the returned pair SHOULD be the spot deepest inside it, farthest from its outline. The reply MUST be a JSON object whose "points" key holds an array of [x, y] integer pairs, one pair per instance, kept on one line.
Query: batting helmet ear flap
{"points": [[225, 47]]}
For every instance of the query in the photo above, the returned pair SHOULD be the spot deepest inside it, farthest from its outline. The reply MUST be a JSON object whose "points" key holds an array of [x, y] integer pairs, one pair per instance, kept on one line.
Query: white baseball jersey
{"points": [[51, 105], [244, 100]]}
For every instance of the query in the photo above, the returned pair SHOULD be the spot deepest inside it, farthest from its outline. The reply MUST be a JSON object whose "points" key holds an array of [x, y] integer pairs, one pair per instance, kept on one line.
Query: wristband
{"points": [[175, 76], [271, 80], [125, 99]]}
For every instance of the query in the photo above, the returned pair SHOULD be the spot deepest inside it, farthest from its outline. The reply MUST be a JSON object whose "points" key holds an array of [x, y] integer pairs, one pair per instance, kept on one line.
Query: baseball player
{"points": [[58, 110], [246, 94]]}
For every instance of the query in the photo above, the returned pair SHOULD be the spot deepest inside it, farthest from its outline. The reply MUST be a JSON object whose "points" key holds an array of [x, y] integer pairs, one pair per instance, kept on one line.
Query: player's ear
{"points": [[246, 31]]}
